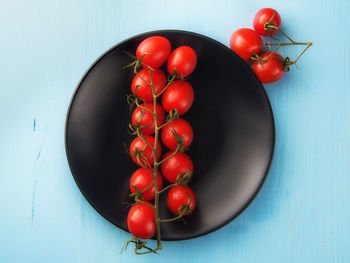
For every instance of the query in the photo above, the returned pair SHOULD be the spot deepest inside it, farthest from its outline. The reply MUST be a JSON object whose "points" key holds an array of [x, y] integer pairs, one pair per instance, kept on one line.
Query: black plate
{"points": [[233, 135]]}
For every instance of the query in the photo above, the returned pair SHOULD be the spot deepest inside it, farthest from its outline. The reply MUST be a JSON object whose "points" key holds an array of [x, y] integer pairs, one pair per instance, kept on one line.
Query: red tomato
{"points": [[178, 196], [270, 71], [180, 163], [179, 95], [182, 127], [142, 178], [141, 221], [144, 91], [147, 118], [138, 144], [246, 42], [183, 59], [262, 17], [157, 50]]}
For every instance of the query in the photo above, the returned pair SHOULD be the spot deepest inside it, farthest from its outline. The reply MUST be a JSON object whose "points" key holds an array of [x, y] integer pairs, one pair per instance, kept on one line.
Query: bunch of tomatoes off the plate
{"points": [[159, 101], [247, 43]]}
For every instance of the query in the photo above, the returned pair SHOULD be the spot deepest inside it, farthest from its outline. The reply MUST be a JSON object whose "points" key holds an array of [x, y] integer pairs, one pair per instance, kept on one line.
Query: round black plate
{"points": [[233, 135]]}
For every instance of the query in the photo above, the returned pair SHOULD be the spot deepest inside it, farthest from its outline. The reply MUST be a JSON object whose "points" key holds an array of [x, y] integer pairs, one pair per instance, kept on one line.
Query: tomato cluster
{"points": [[248, 44], [148, 118]]}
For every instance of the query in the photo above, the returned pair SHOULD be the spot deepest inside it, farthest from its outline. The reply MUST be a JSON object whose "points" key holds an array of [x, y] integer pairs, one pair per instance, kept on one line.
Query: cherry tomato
{"points": [[144, 91], [262, 17], [179, 95], [147, 117], [142, 178], [270, 71], [180, 163], [246, 42], [141, 221], [180, 195], [138, 144], [182, 127], [183, 59], [156, 50]]}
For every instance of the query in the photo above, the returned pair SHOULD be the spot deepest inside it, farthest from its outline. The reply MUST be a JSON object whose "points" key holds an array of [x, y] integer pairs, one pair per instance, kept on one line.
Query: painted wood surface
{"points": [[302, 213]]}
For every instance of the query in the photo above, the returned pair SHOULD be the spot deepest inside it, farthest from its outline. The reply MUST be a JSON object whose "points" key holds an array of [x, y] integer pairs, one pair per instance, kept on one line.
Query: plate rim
{"points": [[95, 62]]}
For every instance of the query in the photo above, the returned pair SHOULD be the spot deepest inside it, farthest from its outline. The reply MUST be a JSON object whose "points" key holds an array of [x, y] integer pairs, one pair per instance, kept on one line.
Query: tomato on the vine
{"points": [[183, 59], [246, 42], [179, 196], [271, 70], [262, 17], [138, 144], [181, 127], [141, 178], [156, 51], [179, 95], [147, 118], [141, 221], [180, 163], [143, 89]]}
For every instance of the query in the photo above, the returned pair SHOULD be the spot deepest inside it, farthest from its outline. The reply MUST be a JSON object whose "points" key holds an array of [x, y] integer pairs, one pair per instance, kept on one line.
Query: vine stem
{"points": [[278, 45], [155, 167], [168, 187], [289, 44], [153, 171], [171, 219], [168, 157], [156, 163], [309, 45], [270, 26], [172, 78], [142, 202]]}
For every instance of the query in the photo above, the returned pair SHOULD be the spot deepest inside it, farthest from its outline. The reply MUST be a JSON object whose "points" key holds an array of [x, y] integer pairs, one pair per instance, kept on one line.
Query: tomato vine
{"points": [[136, 129]]}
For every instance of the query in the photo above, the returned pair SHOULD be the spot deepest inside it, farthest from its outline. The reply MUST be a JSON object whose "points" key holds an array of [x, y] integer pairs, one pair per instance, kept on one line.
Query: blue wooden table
{"points": [[302, 213]]}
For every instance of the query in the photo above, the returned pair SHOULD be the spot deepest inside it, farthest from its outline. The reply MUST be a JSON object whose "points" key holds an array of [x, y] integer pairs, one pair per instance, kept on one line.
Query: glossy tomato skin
{"points": [[179, 95], [183, 59], [157, 50], [142, 178], [270, 71], [180, 163], [182, 127], [147, 118], [144, 91], [178, 196], [138, 144], [246, 42], [262, 17], [141, 221]]}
